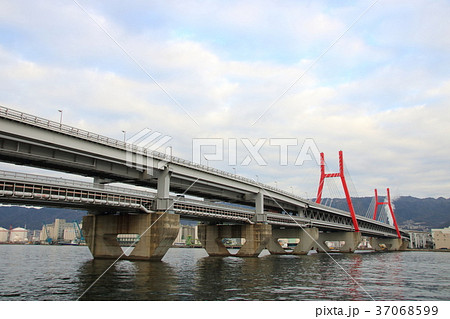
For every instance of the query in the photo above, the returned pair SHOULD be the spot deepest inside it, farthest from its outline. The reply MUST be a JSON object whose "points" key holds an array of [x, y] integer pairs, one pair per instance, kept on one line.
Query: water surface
{"points": [[65, 272]]}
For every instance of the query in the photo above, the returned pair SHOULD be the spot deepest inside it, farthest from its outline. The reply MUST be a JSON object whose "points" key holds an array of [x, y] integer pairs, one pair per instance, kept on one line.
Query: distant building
{"points": [[4, 234], [287, 242], [441, 238], [413, 225], [59, 232], [34, 236], [18, 235], [187, 235], [69, 233], [420, 239]]}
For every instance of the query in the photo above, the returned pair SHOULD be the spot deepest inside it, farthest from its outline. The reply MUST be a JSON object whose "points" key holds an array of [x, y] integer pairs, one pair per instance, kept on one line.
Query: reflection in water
{"points": [[276, 278], [64, 273], [128, 280]]}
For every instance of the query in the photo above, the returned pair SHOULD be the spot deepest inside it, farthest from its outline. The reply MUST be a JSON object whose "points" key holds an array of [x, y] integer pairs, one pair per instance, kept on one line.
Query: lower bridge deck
{"points": [[37, 190]]}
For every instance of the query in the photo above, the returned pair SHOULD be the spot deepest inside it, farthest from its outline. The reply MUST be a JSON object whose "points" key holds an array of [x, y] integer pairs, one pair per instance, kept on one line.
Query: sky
{"points": [[370, 78]]}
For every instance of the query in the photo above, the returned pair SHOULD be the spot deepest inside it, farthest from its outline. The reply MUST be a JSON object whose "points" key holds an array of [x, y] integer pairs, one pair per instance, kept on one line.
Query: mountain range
{"points": [[410, 212]]}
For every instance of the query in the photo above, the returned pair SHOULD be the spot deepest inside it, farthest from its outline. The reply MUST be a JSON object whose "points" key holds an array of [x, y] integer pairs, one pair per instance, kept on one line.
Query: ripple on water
{"points": [[46, 273]]}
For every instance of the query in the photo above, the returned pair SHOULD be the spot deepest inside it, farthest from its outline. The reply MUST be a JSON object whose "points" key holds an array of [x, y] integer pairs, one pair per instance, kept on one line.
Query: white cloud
{"points": [[380, 93]]}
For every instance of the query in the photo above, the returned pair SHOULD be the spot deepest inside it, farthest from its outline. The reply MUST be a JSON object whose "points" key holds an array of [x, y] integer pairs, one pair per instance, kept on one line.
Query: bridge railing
{"points": [[57, 127], [29, 186], [15, 176], [216, 205], [55, 181], [97, 138]]}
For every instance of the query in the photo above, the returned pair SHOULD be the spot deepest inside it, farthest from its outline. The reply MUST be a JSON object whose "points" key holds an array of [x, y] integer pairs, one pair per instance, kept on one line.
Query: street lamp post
{"points": [[60, 117], [124, 136]]}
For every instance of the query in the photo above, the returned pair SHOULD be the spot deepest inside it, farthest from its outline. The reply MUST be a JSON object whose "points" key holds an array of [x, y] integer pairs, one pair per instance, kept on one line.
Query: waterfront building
{"points": [[18, 235], [69, 234], [34, 236], [441, 238], [420, 239], [4, 234], [59, 232], [288, 242], [187, 235], [413, 225]]}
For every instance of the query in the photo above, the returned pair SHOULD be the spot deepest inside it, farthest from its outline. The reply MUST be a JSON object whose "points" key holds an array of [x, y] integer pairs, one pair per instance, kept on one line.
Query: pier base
{"points": [[388, 244], [101, 233], [308, 240], [307, 237], [351, 241], [256, 238]]}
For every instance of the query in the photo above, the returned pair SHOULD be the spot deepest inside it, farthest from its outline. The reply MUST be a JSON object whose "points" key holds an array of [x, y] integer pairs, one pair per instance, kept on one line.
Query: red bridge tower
{"points": [[344, 185], [377, 203]]}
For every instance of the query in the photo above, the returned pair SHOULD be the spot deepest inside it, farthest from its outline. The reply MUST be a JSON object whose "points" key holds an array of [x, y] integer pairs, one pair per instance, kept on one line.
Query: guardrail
{"points": [[16, 176], [101, 139], [31, 187]]}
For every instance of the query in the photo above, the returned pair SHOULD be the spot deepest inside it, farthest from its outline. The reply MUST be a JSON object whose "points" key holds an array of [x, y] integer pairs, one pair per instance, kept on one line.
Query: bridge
{"points": [[232, 206]]}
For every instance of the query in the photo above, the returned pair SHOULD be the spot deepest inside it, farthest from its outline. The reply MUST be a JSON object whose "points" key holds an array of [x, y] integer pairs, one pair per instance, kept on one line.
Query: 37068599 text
{"points": [[386, 310]]}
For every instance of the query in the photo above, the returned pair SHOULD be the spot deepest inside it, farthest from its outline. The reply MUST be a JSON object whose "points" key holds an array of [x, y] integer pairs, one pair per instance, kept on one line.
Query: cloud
{"points": [[380, 93]]}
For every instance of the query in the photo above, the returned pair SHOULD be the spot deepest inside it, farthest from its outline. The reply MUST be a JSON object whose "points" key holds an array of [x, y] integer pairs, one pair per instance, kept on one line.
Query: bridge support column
{"points": [[308, 240], [100, 182], [307, 237], [211, 238], [163, 202], [260, 215], [274, 247], [388, 244], [351, 239], [256, 238], [101, 233]]}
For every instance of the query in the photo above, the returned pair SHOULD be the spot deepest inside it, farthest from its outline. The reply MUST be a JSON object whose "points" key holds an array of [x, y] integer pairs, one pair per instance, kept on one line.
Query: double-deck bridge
{"points": [[231, 205]]}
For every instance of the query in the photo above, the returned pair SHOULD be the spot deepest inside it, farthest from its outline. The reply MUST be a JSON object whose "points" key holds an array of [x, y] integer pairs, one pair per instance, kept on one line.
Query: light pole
{"points": [[124, 136], [292, 190], [234, 168], [60, 117]]}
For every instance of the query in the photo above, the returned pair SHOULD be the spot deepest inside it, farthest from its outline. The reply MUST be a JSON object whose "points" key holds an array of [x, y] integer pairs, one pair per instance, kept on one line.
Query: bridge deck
{"points": [[30, 189], [30, 140]]}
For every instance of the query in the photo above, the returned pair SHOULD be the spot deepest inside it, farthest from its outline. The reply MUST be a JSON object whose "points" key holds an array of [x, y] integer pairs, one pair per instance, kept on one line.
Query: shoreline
{"points": [[228, 247]]}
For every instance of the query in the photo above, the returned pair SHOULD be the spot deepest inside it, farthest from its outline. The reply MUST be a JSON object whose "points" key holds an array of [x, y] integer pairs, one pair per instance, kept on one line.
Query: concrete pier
{"points": [[101, 233], [388, 244], [163, 201], [351, 239], [256, 237], [308, 240], [274, 247], [307, 237]]}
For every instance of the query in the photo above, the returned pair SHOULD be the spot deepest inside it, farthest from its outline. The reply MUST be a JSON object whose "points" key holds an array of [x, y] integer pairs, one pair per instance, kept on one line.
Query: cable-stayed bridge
{"points": [[231, 206]]}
